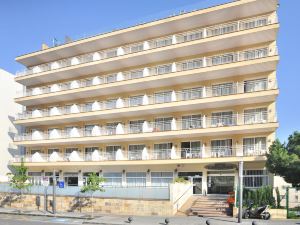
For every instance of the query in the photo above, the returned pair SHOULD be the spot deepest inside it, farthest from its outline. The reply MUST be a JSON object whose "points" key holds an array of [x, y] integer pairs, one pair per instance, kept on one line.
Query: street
{"points": [[6, 219]]}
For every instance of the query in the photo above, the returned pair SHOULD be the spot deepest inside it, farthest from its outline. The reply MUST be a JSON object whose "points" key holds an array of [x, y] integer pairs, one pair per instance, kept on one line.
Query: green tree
{"points": [[284, 159], [93, 184]]}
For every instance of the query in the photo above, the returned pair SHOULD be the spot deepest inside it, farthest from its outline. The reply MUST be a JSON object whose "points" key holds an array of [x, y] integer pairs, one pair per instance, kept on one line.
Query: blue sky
{"points": [[25, 25]]}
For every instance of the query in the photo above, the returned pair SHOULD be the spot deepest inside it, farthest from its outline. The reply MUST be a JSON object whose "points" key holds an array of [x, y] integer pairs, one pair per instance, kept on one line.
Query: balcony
{"points": [[136, 104], [159, 129], [147, 154], [162, 49]]}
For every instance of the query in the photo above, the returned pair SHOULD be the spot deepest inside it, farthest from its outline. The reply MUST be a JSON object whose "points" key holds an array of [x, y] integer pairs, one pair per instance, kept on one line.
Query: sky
{"points": [[26, 24]]}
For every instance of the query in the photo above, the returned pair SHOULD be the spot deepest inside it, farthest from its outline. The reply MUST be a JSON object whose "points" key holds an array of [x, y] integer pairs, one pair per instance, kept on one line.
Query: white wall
{"points": [[8, 111]]}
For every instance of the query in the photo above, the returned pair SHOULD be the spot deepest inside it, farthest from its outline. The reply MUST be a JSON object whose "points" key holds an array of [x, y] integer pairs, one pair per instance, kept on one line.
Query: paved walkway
{"points": [[144, 220]]}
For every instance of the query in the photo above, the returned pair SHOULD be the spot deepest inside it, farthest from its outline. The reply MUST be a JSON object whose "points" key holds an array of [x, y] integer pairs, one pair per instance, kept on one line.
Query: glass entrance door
{"points": [[220, 184], [197, 185], [195, 178]]}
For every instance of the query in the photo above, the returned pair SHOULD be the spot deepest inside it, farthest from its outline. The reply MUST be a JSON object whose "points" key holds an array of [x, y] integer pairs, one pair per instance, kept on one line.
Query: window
{"points": [[159, 179], [258, 115], [191, 122], [35, 151], [162, 151], [35, 178], [163, 69], [111, 151], [71, 179], [192, 64], [222, 59], [88, 130], [136, 100], [52, 150], [162, 42], [135, 152], [111, 53], [113, 179], [163, 97], [111, 128], [223, 89], [255, 85], [192, 93], [255, 53], [193, 36], [221, 148], [255, 178], [137, 179], [136, 126], [88, 106], [163, 124], [253, 23], [111, 78], [254, 146], [136, 74], [191, 149], [68, 151], [136, 48], [85, 177], [223, 119], [223, 29], [89, 151], [111, 103]]}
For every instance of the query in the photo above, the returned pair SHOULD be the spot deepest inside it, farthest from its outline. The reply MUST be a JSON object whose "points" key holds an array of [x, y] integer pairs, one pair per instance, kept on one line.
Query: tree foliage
{"points": [[93, 183], [20, 177], [284, 159]]}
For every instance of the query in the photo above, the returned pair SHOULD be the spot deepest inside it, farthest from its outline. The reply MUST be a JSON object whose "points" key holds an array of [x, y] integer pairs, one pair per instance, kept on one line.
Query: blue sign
{"points": [[61, 184]]}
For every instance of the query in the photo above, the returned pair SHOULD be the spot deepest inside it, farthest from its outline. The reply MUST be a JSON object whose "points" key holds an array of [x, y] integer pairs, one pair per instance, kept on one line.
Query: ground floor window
{"points": [[255, 178], [161, 178], [35, 178], [136, 178], [49, 176], [86, 175], [113, 179], [71, 179]]}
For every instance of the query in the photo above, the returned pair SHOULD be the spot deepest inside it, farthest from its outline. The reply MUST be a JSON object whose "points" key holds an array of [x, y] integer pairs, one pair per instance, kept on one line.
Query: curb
{"points": [[47, 215]]}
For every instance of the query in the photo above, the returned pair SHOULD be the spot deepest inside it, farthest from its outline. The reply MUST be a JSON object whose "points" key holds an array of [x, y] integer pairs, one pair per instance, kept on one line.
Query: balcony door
{"points": [[220, 148], [190, 149]]}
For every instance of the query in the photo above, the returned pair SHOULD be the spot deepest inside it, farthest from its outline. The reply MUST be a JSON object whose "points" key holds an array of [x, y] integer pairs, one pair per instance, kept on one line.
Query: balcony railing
{"points": [[154, 71], [171, 124], [157, 98], [155, 43], [152, 154]]}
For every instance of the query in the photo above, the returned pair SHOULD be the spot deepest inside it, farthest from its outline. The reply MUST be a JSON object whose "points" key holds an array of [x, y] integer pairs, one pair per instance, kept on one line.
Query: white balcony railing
{"points": [[186, 65], [170, 124], [196, 34], [157, 98], [152, 154]]}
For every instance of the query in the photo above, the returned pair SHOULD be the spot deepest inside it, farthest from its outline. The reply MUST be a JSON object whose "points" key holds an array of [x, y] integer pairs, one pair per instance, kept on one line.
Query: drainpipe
{"points": [[241, 164]]}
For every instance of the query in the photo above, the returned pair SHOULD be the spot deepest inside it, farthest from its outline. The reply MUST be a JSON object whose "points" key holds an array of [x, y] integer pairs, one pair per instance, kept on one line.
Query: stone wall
{"points": [[83, 204]]}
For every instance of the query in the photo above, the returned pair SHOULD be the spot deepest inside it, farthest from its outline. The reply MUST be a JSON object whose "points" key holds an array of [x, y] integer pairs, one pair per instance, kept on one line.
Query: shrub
{"points": [[180, 180]]}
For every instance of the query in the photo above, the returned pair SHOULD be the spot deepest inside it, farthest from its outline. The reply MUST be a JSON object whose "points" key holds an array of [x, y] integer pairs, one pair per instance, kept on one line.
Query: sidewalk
{"points": [[143, 220]]}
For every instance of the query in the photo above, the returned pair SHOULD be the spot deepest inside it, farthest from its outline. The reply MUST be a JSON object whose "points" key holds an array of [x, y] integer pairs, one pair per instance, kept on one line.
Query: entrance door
{"points": [[220, 184], [197, 185]]}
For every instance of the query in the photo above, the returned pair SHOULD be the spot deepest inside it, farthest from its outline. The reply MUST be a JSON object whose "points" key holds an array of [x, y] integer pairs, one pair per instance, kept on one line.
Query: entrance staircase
{"points": [[206, 206]]}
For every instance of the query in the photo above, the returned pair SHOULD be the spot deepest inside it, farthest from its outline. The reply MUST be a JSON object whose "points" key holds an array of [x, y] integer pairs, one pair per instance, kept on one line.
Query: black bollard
{"points": [[207, 222], [254, 223]]}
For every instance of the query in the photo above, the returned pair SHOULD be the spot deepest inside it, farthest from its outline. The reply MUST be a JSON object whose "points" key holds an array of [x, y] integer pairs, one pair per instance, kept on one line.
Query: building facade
{"points": [[8, 113], [185, 96]]}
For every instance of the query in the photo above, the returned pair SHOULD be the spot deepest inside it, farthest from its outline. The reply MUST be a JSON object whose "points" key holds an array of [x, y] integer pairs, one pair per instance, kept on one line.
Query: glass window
{"points": [[163, 124], [136, 126], [258, 115], [222, 59], [135, 152], [223, 89], [255, 178], [162, 151], [221, 148], [255, 85], [111, 78], [111, 53], [159, 179], [88, 130], [113, 179], [111, 103], [71, 179], [192, 64], [88, 106], [68, 151], [191, 149], [111, 151], [136, 74], [222, 29], [51, 150], [89, 151], [192, 93], [111, 128], [254, 146], [223, 119], [163, 69], [136, 100], [191, 122], [136, 179], [193, 36], [255, 53], [163, 97], [162, 42]]}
